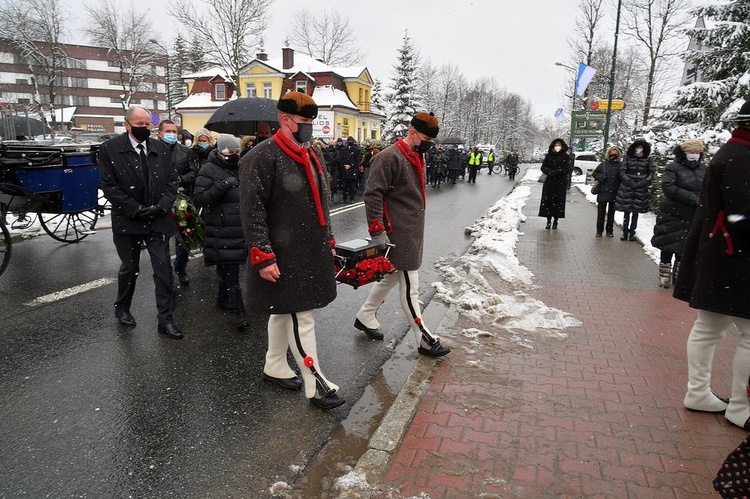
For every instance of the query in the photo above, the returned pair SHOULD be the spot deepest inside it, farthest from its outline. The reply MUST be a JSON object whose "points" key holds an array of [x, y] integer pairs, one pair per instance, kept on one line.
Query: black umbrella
{"points": [[241, 116], [451, 140], [21, 126]]}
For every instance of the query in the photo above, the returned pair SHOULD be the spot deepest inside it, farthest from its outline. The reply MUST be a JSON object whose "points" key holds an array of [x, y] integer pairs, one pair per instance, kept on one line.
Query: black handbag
{"points": [[597, 188], [733, 479]]}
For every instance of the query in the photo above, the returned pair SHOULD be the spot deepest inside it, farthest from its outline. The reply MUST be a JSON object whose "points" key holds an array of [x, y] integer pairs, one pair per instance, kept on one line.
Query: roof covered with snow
{"points": [[201, 100], [326, 96], [306, 64], [210, 72]]}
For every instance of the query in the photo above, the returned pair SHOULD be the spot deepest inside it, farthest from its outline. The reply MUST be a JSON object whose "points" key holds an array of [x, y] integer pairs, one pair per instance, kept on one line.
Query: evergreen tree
{"points": [[177, 62], [403, 100], [377, 97], [195, 60], [723, 60]]}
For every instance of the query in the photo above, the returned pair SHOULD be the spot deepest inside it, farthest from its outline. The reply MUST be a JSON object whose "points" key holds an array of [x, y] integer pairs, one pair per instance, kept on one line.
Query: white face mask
{"points": [[639, 151], [558, 148], [691, 156]]}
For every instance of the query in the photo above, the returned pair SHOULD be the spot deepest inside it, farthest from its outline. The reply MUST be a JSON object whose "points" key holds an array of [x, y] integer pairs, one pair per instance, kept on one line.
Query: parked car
{"points": [[585, 162]]}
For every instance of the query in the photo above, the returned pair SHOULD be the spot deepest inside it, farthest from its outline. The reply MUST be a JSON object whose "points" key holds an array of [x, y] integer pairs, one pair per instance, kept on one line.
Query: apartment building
{"points": [[89, 90]]}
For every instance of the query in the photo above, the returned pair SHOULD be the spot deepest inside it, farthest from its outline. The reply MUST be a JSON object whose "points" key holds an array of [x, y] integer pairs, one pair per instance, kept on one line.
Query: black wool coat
{"points": [[636, 175], [121, 180], [279, 216], [714, 270], [187, 165], [556, 166], [225, 241], [681, 184], [608, 175]]}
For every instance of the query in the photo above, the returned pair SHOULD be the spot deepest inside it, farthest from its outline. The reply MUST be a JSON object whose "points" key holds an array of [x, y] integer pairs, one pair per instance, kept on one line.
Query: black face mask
{"points": [[304, 132], [423, 147], [232, 159], [140, 133]]}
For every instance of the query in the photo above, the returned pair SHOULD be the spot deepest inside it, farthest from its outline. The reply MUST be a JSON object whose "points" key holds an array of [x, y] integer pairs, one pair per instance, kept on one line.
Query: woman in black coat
{"points": [[556, 166], [713, 276], [216, 191], [608, 176], [681, 185], [636, 174]]}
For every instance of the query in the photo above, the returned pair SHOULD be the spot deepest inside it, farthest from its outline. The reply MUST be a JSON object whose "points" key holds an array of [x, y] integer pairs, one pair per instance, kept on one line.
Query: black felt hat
{"points": [[298, 103]]}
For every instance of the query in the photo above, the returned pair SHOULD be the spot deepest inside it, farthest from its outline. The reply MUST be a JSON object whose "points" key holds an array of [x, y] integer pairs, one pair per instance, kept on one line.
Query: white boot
{"points": [[279, 328], [738, 412], [369, 309], [708, 330], [302, 334], [665, 275]]}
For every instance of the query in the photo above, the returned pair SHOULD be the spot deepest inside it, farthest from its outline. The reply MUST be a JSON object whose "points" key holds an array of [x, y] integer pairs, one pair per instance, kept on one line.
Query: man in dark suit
{"points": [[140, 181]]}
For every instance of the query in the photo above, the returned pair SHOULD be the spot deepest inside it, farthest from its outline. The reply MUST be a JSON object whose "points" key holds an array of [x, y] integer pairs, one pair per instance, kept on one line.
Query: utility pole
{"points": [[572, 100], [612, 79]]}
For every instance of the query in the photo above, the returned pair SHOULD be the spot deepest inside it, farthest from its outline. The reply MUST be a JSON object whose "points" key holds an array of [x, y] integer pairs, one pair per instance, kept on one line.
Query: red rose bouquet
{"points": [[189, 223], [365, 271]]}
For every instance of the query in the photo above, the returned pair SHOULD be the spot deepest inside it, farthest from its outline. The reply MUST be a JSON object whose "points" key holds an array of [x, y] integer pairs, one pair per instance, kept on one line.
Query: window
{"points": [[250, 90], [76, 63], [345, 121], [23, 81], [300, 86], [115, 100], [79, 100], [115, 83], [267, 90], [79, 82], [24, 101], [220, 91]]}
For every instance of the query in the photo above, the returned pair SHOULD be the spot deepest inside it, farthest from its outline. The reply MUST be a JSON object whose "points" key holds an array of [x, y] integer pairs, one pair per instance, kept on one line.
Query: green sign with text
{"points": [[587, 124]]}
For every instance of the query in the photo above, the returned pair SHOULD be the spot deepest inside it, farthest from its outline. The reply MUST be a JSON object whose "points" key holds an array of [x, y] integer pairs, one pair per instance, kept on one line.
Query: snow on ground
{"points": [[489, 286]]}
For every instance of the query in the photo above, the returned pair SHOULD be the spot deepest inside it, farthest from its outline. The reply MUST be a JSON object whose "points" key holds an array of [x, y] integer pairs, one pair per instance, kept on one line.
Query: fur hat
{"points": [[227, 143], [426, 123], [692, 145], [299, 104]]}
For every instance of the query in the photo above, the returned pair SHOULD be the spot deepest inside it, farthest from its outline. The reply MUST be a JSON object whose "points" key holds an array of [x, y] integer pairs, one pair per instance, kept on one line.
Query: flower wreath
{"points": [[366, 271], [189, 223]]}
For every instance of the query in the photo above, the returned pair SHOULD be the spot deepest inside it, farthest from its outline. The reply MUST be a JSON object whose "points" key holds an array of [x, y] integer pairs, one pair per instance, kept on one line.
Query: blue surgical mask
{"points": [[204, 145], [169, 138]]}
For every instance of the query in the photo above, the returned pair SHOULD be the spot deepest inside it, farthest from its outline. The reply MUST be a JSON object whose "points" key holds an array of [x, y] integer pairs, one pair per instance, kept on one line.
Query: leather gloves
{"points": [[149, 213], [231, 181], [381, 239]]}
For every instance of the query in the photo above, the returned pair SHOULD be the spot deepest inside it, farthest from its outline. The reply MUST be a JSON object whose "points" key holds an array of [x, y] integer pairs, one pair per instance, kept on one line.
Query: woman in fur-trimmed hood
{"points": [[636, 175], [556, 166]]}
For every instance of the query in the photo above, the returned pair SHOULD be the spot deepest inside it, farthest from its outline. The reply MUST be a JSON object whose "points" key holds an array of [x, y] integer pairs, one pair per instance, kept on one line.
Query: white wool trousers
{"points": [[708, 330], [296, 332], [408, 287]]}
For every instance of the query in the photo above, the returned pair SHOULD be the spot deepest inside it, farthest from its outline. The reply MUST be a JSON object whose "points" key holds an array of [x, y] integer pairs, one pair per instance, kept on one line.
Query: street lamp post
{"points": [[572, 99], [612, 79], [169, 97]]}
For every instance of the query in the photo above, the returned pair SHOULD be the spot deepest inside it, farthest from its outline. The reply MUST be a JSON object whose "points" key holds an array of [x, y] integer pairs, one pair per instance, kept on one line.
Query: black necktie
{"points": [[144, 164]]}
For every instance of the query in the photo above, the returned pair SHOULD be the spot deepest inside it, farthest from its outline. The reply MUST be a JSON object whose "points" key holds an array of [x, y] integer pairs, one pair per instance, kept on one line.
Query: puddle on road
{"points": [[349, 441]]}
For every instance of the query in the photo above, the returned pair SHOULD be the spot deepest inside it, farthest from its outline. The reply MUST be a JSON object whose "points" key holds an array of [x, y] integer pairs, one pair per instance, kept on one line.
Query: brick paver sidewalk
{"points": [[596, 414]]}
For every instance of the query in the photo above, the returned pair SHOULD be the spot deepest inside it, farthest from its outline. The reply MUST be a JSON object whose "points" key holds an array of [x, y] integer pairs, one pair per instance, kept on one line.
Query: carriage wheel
{"points": [[69, 227], [5, 247], [102, 204]]}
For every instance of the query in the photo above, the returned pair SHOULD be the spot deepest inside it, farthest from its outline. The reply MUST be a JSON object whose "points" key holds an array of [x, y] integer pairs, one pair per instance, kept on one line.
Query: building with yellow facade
{"points": [[343, 94]]}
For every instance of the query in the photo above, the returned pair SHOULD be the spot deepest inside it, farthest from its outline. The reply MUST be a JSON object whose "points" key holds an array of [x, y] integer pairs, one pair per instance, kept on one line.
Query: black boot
{"points": [[240, 318], [223, 300]]}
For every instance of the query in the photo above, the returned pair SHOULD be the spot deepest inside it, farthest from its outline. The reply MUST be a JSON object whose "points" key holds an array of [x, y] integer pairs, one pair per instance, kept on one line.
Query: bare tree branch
{"points": [[326, 36], [227, 29]]}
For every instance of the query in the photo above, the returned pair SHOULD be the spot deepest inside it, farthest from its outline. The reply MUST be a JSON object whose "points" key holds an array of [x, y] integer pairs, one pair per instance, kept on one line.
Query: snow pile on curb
{"points": [[470, 282]]}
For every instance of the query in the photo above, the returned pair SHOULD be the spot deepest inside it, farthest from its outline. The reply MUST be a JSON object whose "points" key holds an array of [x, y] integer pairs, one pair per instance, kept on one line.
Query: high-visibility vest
{"points": [[475, 159], [491, 157]]}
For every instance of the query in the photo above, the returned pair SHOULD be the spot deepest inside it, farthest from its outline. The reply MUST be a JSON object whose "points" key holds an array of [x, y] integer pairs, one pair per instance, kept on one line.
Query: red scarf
{"points": [[302, 156], [740, 136], [417, 160]]}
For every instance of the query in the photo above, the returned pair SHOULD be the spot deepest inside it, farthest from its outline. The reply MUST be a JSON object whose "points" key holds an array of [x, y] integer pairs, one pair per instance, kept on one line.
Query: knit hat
{"points": [[299, 104], [426, 123], [227, 143], [205, 132], [692, 145], [744, 115]]}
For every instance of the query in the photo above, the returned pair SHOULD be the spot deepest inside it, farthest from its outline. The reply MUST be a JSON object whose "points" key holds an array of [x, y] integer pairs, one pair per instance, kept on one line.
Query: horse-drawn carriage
{"points": [[57, 183]]}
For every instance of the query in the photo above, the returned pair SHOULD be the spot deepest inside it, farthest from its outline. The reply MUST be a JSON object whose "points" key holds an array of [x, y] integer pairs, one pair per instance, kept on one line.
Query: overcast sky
{"points": [[515, 41]]}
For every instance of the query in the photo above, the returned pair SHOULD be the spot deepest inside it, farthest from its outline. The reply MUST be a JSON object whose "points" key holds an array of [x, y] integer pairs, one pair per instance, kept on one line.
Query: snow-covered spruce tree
{"points": [[403, 102], [723, 62]]}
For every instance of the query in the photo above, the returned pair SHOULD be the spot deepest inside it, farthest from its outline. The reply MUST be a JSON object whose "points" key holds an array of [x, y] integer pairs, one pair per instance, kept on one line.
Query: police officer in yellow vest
{"points": [[475, 163], [490, 161]]}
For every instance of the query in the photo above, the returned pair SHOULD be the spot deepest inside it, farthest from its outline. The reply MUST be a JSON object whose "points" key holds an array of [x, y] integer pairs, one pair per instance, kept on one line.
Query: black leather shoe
{"points": [[286, 383], [125, 318], [183, 278], [436, 350], [375, 334], [548, 226], [327, 401], [632, 237], [171, 330]]}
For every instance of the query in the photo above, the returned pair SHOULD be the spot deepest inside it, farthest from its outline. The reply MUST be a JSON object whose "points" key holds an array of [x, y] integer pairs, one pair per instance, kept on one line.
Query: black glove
{"points": [[231, 181], [641, 184], [148, 213]]}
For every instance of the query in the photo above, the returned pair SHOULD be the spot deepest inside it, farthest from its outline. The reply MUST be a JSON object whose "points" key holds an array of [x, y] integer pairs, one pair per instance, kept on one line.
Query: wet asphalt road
{"points": [[88, 409]]}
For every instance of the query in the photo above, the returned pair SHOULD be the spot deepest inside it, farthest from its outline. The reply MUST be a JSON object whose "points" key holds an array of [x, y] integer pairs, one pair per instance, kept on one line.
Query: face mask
{"points": [[304, 132], [169, 138], [188, 142], [232, 159], [693, 156], [204, 145], [614, 157], [423, 147], [639, 151], [140, 133], [558, 148]]}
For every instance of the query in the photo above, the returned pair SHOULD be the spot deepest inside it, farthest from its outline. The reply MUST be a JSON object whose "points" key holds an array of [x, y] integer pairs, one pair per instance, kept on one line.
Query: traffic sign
{"points": [[601, 105], [155, 118]]}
